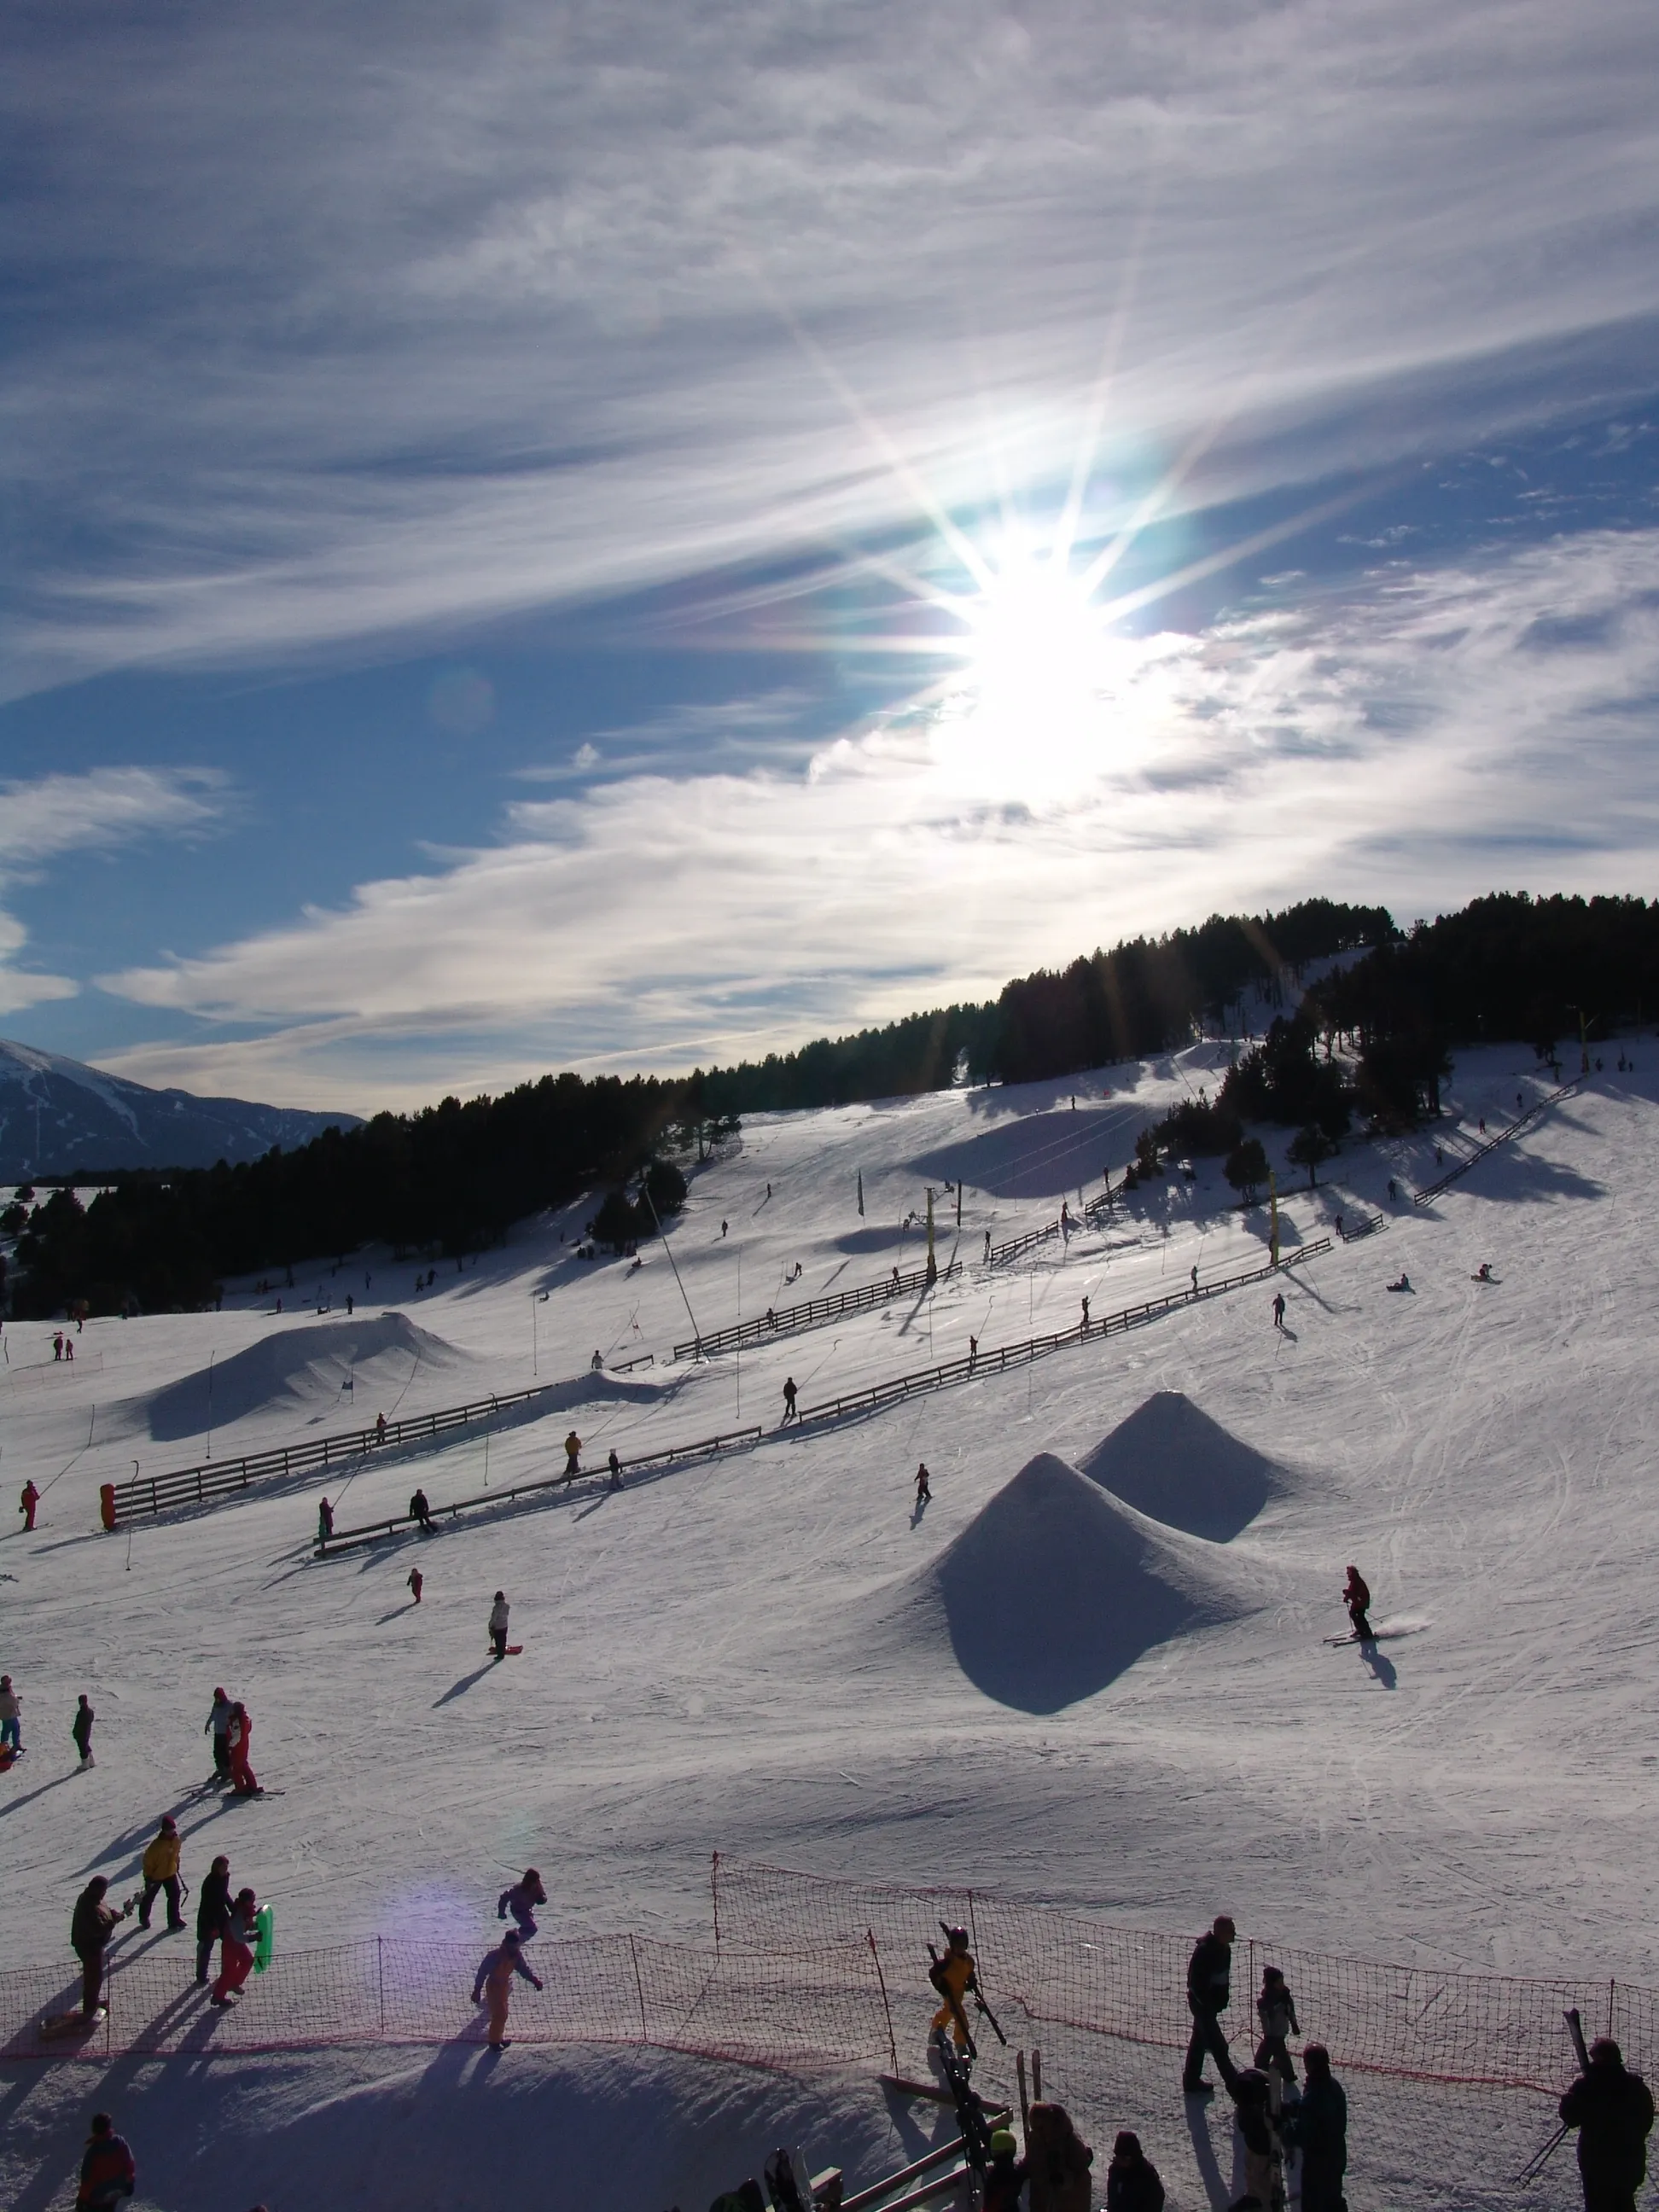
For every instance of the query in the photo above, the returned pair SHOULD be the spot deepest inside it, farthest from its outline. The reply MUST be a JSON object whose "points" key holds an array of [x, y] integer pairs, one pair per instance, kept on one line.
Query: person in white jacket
{"points": [[498, 1613]]}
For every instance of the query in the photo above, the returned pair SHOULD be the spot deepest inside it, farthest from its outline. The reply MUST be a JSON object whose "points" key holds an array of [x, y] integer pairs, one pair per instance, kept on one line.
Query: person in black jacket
{"points": [[81, 1730], [1132, 2182], [1209, 1974], [212, 1914], [90, 1930], [1612, 2112], [1318, 2125]]}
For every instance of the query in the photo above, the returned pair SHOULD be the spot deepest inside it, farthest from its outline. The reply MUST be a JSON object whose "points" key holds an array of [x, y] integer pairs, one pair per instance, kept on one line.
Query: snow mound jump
{"points": [[1055, 1588], [1169, 1459], [299, 1367]]}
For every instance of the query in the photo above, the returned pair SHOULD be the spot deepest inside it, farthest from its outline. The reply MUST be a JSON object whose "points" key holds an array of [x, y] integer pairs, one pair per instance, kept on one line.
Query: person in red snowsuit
{"points": [[1356, 1596], [238, 1738], [31, 1499], [236, 1948]]}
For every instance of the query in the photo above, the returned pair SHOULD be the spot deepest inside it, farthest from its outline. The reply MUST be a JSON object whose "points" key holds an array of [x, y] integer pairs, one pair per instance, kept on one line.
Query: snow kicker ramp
{"points": [[297, 1368], [1169, 1459], [1055, 1588]]}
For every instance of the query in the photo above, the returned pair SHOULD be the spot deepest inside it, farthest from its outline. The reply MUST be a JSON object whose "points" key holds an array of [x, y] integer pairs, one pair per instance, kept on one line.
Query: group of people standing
{"points": [[232, 1731]]}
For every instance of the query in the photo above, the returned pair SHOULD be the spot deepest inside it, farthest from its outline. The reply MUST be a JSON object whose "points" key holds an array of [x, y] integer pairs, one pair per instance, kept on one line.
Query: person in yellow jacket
{"points": [[161, 1872], [953, 1975]]}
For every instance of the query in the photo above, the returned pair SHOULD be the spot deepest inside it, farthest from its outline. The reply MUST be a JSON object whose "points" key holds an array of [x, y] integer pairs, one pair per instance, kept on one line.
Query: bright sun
{"points": [[1036, 648]]}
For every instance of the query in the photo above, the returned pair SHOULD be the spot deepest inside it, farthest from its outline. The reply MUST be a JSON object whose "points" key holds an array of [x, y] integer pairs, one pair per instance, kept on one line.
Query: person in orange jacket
{"points": [[161, 1872], [494, 1975]]}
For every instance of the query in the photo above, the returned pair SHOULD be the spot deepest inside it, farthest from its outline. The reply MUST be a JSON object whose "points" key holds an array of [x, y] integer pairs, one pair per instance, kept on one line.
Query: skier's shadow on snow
{"points": [[459, 1689], [396, 1613], [1285, 1330], [1209, 2170], [922, 1507], [1381, 1665], [18, 1803]]}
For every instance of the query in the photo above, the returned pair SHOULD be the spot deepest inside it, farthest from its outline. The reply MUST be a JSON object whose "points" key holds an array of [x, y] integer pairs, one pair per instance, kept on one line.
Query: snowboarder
{"points": [[496, 1972], [1085, 1313], [521, 1900], [81, 1730], [218, 1726], [1483, 1273], [416, 1583], [1404, 1284], [1209, 1974], [924, 1486], [789, 1410], [573, 1454], [1005, 2177], [1278, 1308], [1318, 2125], [108, 2173], [1194, 1274], [238, 1738], [420, 1510], [498, 1613], [90, 1930], [212, 1914], [161, 1872], [597, 1361], [1276, 2009], [1356, 1596], [324, 1522], [379, 1428], [724, 1226], [953, 1975], [1393, 1191], [1058, 2160], [973, 1350], [31, 1498], [987, 1262], [1612, 2112], [11, 1717], [235, 1949], [615, 1467], [1132, 2180]]}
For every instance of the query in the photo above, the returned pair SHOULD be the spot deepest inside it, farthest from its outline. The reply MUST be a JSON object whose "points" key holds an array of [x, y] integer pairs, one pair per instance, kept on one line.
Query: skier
{"points": [[420, 1510], [1612, 2112], [212, 1913], [81, 1730], [1085, 1313], [90, 1930], [498, 1613], [238, 1737], [31, 1498], [1004, 2178], [1276, 2009], [108, 2173], [1209, 1973], [218, 1726], [496, 1972], [1264, 2150], [789, 1412], [1132, 2181], [597, 1361], [1318, 2125], [724, 1225], [521, 1900], [988, 1249], [1278, 1308], [324, 1522], [1194, 1274], [416, 1583], [573, 1454], [924, 1486], [1393, 1191], [235, 1949], [953, 1975], [11, 1717], [1058, 2161], [1356, 1596], [161, 1872], [615, 1466], [973, 1350]]}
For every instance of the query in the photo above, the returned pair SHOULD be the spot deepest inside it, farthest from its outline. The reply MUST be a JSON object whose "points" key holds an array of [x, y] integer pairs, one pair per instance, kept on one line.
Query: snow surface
{"points": [[1089, 1673]]}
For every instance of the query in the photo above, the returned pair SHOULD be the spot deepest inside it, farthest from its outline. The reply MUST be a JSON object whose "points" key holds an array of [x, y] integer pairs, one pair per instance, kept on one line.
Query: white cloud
{"points": [[1420, 739], [367, 320]]}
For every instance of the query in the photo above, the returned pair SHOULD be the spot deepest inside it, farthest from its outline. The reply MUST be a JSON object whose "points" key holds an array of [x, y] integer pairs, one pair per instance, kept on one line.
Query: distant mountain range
{"points": [[58, 1115]]}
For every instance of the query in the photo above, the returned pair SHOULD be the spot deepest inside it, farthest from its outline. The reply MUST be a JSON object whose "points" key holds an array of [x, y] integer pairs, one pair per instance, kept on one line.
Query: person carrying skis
{"points": [[81, 1730], [924, 1486], [953, 1975], [1356, 1596], [324, 1522], [30, 1499], [1318, 2125], [498, 1613], [1131, 2180], [521, 1900], [235, 1949], [239, 1738], [416, 1583], [1209, 1976], [420, 1510], [496, 1972], [1264, 2150], [1058, 2160], [1612, 2112], [573, 1454], [1276, 2009], [108, 2173], [790, 1414], [161, 1872], [1005, 2177], [11, 1717], [212, 1914], [90, 1929], [218, 1726]]}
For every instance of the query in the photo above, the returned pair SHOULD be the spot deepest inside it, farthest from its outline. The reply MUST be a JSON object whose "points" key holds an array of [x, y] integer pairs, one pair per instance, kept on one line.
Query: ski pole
{"points": [[1535, 2165], [991, 2016]]}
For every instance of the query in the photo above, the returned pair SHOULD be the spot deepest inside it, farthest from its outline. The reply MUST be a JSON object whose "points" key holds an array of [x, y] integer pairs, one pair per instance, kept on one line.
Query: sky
{"points": [[604, 537]]}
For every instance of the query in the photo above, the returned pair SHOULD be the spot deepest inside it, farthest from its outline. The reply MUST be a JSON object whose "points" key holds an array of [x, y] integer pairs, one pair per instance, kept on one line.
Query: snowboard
{"points": [[9, 1758], [511, 1652], [59, 2026], [1383, 1636]]}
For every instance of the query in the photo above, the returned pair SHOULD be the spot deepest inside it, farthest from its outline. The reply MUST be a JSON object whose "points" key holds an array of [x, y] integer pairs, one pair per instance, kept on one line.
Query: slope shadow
{"points": [[297, 1366], [1042, 1155], [1169, 1459]]}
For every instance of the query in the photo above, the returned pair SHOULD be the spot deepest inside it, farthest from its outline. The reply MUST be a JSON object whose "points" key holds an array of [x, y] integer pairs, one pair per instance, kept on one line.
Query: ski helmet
{"points": [[1002, 2143]]}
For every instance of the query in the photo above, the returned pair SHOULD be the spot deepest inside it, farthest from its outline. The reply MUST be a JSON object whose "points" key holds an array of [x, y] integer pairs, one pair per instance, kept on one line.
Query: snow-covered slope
{"points": [[58, 1114], [777, 1656]]}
